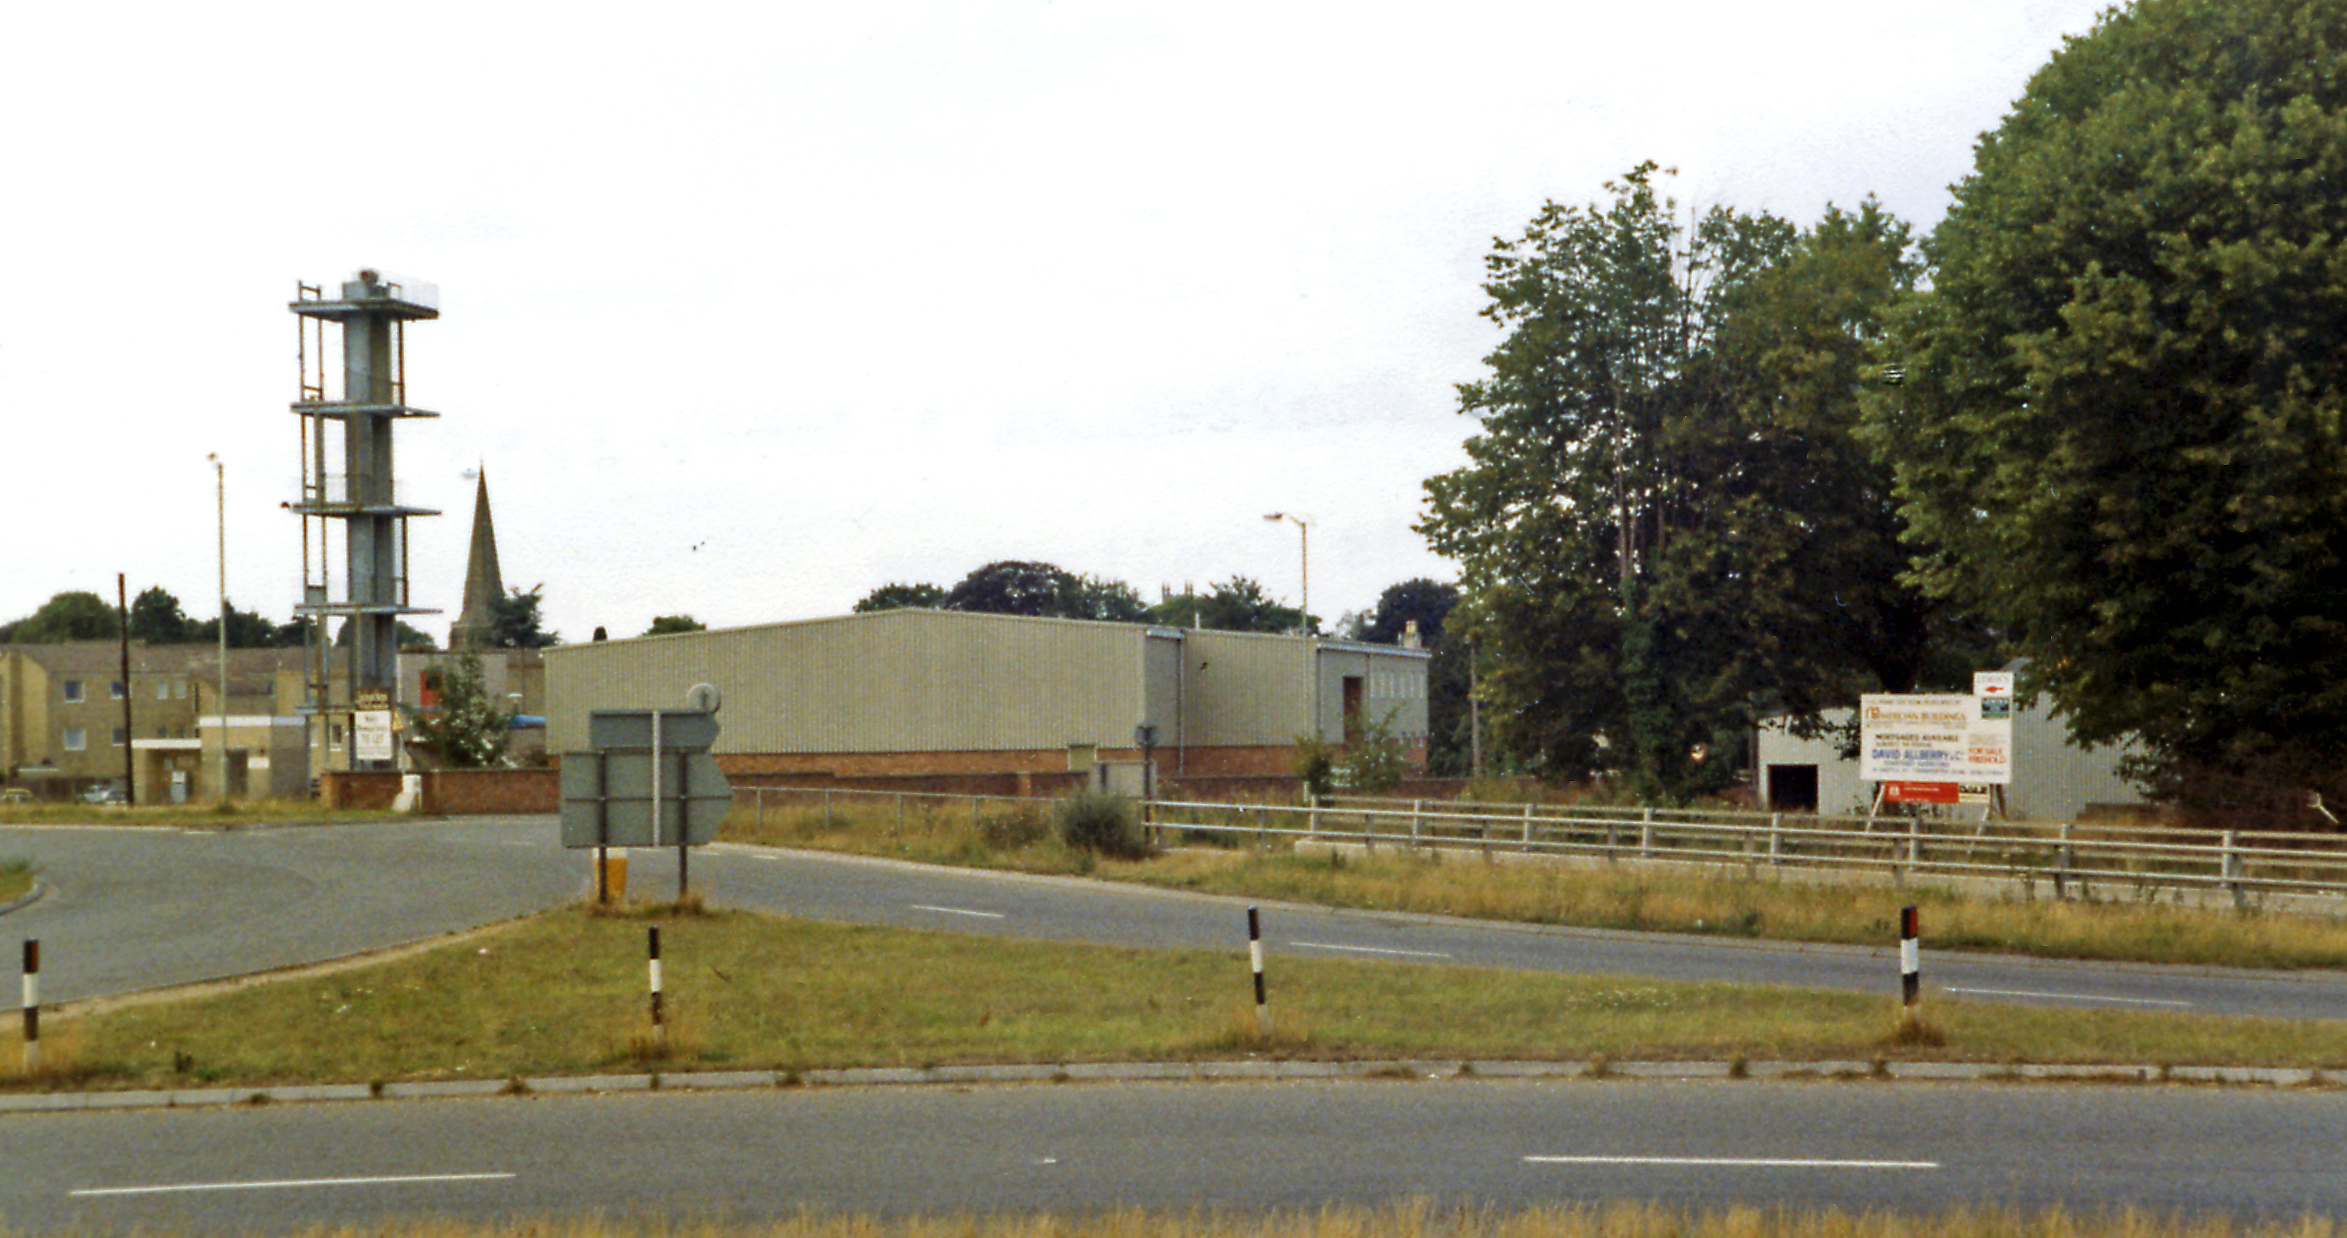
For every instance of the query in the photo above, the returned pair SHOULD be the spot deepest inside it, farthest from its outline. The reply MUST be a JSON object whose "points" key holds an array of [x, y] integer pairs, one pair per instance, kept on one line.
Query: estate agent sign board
{"points": [[1939, 738]]}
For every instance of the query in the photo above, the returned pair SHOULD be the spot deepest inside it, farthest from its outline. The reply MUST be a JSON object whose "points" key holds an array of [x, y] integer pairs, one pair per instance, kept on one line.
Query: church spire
{"points": [[484, 585]]}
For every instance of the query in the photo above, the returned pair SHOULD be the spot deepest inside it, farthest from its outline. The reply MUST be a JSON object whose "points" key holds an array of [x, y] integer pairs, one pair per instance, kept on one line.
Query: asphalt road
{"points": [[1854, 1146], [124, 910], [867, 891], [128, 910]]}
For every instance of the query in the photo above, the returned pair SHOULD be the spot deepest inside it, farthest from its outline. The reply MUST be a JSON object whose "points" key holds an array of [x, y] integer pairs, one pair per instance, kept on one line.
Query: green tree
{"points": [[71, 616], [1666, 524], [664, 625], [463, 728], [1236, 605], [156, 618], [1014, 587], [2119, 434], [246, 630], [1429, 602], [517, 625], [901, 597]]}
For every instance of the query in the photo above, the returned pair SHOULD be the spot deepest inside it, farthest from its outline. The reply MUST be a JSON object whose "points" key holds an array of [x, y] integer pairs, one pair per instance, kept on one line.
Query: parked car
{"points": [[15, 795], [104, 794]]}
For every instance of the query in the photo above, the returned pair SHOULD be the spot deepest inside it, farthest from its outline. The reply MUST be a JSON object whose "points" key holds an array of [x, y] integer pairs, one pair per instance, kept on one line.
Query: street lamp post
{"points": [[220, 488], [1311, 658]]}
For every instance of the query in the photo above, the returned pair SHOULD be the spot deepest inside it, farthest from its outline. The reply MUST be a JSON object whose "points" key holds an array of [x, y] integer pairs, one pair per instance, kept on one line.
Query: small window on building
{"points": [[162, 689], [120, 734], [73, 689], [76, 739], [336, 741], [117, 690], [180, 689]]}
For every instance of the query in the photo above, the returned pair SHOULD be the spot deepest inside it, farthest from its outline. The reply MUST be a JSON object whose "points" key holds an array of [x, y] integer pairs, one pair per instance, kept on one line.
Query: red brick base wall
{"points": [[449, 792]]}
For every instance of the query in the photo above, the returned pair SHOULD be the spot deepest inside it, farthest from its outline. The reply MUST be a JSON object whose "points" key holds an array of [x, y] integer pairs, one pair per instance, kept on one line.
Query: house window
{"points": [[162, 689], [180, 689], [72, 690], [117, 690], [120, 734], [76, 739]]}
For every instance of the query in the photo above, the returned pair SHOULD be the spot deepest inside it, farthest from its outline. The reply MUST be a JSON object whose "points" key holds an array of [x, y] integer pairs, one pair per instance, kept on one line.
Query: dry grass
{"points": [[16, 877], [1413, 1218], [191, 816], [565, 993], [959, 832]]}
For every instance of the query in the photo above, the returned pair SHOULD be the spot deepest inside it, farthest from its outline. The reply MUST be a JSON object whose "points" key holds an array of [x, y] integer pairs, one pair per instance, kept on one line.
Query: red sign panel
{"points": [[1919, 792]]}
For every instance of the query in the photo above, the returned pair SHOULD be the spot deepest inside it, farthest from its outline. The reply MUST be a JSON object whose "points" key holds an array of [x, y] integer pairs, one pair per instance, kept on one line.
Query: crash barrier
{"points": [[2070, 858]]}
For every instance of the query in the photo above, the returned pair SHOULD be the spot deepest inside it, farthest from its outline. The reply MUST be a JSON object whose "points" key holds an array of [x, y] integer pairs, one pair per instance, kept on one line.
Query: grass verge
{"points": [[16, 877], [191, 816], [1416, 1218], [2103, 928], [564, 992]]}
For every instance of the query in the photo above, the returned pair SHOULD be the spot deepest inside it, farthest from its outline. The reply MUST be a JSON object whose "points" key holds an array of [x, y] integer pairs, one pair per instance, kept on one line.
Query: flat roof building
{"points": [[920, 692]]}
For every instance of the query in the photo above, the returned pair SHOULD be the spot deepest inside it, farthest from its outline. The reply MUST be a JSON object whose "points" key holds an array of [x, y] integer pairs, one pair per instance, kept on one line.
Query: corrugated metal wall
{"points": [[1244, 688], [1392, 681], [939, 681], [902, 681]]}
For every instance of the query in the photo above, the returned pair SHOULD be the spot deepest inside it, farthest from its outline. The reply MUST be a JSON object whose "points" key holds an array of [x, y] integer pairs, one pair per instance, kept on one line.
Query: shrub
{"points": [[1101, 824], [1315, 765]]}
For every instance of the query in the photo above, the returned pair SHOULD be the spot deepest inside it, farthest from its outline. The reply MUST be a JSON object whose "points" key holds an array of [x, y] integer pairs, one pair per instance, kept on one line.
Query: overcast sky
{"points": [[750, 309]]}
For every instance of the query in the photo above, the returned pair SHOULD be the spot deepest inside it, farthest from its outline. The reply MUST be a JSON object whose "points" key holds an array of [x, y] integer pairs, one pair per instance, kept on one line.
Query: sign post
{"points": [[648, 780], [370, 724]]}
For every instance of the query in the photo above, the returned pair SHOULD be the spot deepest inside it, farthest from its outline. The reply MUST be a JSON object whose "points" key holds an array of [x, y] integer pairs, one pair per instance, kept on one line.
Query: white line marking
{"points": [[286, 1183], [1734, 1162], [957, 911], [1322, 945], [2069, 997]]}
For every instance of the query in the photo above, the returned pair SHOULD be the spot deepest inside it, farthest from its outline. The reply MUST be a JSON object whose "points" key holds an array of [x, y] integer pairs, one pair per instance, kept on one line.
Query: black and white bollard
{"points": [[32, 1005], [1910, 959], [1255, 959], [659, 1029]]}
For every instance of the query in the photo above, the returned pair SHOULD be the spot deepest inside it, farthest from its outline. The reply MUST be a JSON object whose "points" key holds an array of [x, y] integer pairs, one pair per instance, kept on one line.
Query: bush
{"points": [[1102, 824], [1011, 829], [1315, 766]]}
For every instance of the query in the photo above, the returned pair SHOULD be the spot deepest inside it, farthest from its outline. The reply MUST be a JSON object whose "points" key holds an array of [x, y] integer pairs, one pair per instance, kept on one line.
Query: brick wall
{"points": [[450, 792]]}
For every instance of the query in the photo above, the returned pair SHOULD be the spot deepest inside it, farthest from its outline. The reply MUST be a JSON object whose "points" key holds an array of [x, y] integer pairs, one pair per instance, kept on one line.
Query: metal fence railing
{"points": [[2069, 857]]}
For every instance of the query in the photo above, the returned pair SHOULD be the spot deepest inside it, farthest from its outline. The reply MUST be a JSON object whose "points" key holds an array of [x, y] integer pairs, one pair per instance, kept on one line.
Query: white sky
{"points": [[750, 309]]}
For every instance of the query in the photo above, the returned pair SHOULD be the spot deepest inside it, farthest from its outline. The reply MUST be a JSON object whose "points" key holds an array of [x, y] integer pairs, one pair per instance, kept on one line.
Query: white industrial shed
{"points": [[2053, 778], [928, 692]]}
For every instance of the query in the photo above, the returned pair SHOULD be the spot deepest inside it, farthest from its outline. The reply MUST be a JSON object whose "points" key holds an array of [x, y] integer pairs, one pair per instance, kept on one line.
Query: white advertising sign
{"points": [[371, 735], [1933, 738]]}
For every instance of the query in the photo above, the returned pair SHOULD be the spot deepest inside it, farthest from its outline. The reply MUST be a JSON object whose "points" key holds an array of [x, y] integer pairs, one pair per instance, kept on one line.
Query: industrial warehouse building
{"points": [[1019, 702]]}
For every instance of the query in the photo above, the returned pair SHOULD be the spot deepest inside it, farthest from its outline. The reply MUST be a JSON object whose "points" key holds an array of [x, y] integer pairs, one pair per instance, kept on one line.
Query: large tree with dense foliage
{"points": [[897, 596], [2119, 429], [70, 616], [1235, 605], [1666, 525], [157, 619], [1015, 587], [516, 623]]}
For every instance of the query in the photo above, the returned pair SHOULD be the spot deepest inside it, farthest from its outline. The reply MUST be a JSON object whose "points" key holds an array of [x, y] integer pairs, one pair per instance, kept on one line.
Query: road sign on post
{"points": [[648, 781], [607, 792]]}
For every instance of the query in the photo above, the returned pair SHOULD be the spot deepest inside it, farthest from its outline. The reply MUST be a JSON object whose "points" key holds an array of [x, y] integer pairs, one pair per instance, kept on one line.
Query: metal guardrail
{"points": [[2071, 857], [2139, 859]]}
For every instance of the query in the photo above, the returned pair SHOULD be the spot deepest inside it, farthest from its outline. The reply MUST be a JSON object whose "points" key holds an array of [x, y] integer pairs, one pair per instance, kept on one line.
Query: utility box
{"points": [[649, 781]]}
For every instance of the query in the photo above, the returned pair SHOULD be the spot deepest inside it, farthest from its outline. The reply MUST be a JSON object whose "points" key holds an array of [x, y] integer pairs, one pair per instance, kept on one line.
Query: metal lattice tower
{"points": [[372, 313]]}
